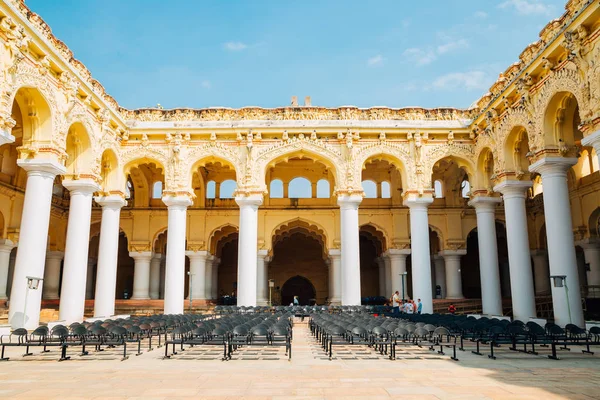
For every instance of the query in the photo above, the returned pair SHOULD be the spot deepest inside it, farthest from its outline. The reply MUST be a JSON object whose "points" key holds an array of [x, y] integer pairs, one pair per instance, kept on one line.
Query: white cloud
{"points": [[528, 7], [235, 46], [452, 46], [471, 80], [375, 61], [419, 56], [480, 14]]}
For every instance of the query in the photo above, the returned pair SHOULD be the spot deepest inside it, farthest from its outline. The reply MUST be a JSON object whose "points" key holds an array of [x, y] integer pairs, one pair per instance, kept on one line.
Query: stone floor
{"points": [[255, 373]]}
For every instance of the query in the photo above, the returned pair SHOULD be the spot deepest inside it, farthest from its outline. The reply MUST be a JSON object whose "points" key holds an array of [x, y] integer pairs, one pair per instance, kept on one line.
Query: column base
{"points": [[454, 297], [262, 303], [335, 302], [139, 298], [49, 297]]}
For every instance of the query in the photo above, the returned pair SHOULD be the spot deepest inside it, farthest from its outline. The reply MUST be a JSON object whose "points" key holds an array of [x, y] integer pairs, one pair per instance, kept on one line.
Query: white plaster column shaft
{"points": [[388, 275], [591, 251], [52, 274], [397, 259], [198, 271], [75, 267], [440, 274], [593, 140], [33, 240], [419, 242], [215, 278], [208, 279], [141, 274], [175, 260], [485, 208], [381, 267], [6, 247], [262, 286], [541, 271], [559, 232], [335, 276], [453, 275], [89, 280], [108, 254], [155, 275], [514, 194], [248, 249], [350, 249]]}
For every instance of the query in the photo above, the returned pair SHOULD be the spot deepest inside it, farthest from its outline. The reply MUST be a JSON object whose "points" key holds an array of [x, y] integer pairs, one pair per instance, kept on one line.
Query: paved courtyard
{"points": [[266, 374]]}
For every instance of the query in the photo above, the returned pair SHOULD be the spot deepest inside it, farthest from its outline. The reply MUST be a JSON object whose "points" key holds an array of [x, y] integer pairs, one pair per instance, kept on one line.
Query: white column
{"points": [[262, 287], [514, 194], [591, 251], [541, 271], [161, 287], [381, 267], [453, 274], [141, 274], [350, 249], [33, 238], [485, 208], [155, 276], [74, 278], [89, 281], [6, 247], [419, 242], [559, 232], [208, 278], [175, 263], [335, 276], [440, 274], [247, 249], [397, 259], [593, 140], [108, 254], [388, 275], [52, 274], [215, 278], [198, 271]]}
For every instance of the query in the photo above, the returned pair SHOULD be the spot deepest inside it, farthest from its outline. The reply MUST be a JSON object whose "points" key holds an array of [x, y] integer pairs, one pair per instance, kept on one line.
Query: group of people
{"points": [[405, 306]]}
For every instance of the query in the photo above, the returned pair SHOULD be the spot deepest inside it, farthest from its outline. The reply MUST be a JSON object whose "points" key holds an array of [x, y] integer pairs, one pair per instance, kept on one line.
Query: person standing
{"points": [[419, 306], [452, 309], [410, 307], [396, 302]]}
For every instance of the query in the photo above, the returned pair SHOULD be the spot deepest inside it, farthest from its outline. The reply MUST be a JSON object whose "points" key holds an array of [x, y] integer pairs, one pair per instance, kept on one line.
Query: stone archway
{"points": [[301, 287]]}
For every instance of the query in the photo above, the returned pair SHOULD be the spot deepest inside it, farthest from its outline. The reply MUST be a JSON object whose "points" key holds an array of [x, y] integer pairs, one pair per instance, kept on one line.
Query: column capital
{"points": [[397, 253], [81, 186], [177, 201], [47, 168], [414, 201], [6, 245], [592, 140], [588, 243], [140, 255], [553, 166], [253, 200], [157, 256], [113, 201], [196, 254], [513, 188], [438, 256], [538, 252], [263, 253], [335, 253], [485, 203], [349, 201], [453, 253]]}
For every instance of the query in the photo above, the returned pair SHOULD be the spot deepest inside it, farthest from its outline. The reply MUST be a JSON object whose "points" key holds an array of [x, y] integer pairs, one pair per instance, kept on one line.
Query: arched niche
{"points": [[143, 173], [561, 121], [80, 156]]}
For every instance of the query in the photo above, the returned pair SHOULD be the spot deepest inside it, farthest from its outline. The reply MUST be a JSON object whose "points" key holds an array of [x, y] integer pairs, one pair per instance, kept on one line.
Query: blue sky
{"points": [[201, 53]]}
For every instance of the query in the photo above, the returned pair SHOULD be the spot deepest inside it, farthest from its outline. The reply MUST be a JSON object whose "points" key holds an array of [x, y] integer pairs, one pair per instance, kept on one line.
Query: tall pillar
{"points": [[591, 251], [208, 281], [52, 274], [440, 274], [335, 277], [6, 247], [198, 272], [453, 275], [33, 239], [594, 141], [89, 281], [74, 278], [541, 271], [381, 267], [350, 249], [559, 232], [397, 259], [108, 254], [175, 260], [262, 287], [514, 194], [215, 278], [155, 275], [485, 208], [388, 275], [419, 242], [163, 273], [141, 274], [247, 249]]}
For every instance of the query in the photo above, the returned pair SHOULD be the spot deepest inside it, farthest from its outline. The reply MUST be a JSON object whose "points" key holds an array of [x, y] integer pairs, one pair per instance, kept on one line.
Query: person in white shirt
{"points": [[396, 302], [409, 307]]}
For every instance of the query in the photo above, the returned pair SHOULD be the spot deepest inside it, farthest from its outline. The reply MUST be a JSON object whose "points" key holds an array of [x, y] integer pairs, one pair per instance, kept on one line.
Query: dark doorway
{"points": [[298, 286]]}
